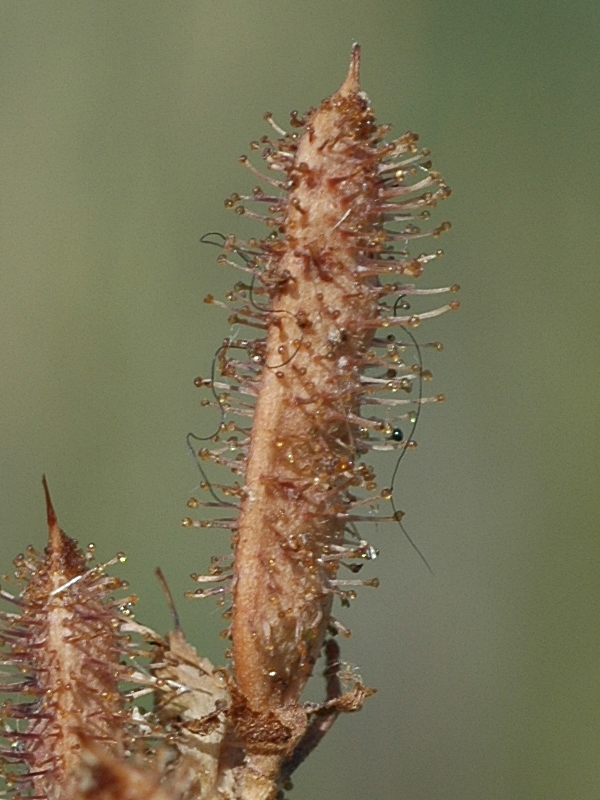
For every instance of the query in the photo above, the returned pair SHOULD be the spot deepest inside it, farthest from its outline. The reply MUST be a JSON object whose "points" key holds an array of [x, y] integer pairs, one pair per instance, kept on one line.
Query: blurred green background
{"points": [[120, 127]]}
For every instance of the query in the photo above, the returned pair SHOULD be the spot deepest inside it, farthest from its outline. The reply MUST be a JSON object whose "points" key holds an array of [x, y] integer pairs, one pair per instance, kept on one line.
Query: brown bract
{"points": [[193, 702]]}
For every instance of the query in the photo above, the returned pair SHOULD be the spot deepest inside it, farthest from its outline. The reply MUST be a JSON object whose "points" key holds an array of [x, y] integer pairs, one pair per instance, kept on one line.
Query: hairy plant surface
{"points": [[333, 374]]}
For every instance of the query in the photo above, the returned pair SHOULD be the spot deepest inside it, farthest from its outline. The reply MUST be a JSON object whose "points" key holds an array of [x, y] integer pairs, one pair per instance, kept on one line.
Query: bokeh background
{"points": [[120, 127]]}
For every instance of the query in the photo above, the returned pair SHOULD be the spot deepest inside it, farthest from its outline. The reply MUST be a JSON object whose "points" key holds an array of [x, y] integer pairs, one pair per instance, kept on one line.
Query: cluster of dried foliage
{"points": [[325, 289]]}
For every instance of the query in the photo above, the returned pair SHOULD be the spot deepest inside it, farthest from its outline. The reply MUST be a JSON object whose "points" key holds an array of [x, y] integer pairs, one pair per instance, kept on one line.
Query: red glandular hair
{"points": [[61, 650], [344, 217]]}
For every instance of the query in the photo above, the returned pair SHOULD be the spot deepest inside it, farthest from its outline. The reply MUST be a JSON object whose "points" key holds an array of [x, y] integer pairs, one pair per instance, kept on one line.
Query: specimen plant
{"points": [[329, 371]]}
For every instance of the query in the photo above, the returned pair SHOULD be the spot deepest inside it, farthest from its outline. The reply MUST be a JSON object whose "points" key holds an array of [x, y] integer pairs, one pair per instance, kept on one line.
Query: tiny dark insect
{"points": [[397, 435]]}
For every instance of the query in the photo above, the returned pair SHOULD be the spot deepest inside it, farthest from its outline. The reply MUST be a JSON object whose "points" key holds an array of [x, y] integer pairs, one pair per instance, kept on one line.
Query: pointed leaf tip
{"points": [[351, 83], [50, 513], [56, 538]]}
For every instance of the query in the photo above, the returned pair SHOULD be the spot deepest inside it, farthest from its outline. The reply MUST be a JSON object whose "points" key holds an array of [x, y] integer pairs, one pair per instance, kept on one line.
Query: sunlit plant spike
{"points": [[344, 215]]}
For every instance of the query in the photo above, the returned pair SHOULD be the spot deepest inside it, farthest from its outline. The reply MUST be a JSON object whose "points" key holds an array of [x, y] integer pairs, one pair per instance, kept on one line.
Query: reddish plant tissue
{"points": [[333, 374], [63, 647], [344, 215]]}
